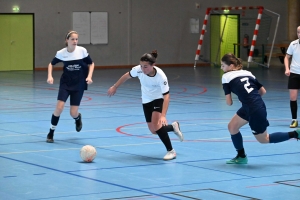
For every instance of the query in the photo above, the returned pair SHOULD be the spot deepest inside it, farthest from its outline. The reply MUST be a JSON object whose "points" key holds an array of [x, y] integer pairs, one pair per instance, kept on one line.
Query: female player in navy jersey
{"points": [[77, 73], [155, 99], [253, 111]]}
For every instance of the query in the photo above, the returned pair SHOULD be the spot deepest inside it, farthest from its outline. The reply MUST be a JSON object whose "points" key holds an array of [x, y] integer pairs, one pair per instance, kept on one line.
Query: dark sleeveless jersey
{"points": [[75, 68], [244, 84]]}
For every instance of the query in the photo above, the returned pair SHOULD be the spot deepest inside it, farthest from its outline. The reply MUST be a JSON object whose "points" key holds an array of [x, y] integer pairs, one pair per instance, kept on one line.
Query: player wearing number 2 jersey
{"points": [[253, 111]]}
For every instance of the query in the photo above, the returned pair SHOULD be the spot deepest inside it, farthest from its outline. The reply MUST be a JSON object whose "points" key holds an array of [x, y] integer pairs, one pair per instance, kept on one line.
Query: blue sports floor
{"points": [[129, 162]]}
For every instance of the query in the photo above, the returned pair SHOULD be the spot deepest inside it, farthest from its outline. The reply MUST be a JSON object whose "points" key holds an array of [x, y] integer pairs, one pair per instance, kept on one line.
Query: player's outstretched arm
{"points": [[113, 89]]}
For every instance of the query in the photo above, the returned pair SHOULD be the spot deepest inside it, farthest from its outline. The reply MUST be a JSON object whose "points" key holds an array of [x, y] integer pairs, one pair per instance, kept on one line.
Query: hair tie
{"points": [[70, 33]]}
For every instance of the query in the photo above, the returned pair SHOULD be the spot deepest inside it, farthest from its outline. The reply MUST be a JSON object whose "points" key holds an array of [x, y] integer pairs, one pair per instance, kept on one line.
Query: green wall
{"points": [[228, 25]]}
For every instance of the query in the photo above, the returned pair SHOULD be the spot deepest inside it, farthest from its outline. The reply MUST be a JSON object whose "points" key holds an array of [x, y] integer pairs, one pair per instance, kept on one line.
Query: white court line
{"points": [[126, 128], [100, 130], [50, 150], [68, 132], [110, 146]]}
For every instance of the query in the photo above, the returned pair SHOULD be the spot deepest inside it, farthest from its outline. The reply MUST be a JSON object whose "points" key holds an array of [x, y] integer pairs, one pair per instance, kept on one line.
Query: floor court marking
{"points": [[219, 191], [93, 179], [125, 187], [144, 188], [225, 172], [289, 182]]}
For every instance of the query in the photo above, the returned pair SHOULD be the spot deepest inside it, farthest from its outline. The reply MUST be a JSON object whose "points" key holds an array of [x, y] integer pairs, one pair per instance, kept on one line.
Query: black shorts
{"points": [[75, 96], [155, 105], [257, 121], [294, 81]]}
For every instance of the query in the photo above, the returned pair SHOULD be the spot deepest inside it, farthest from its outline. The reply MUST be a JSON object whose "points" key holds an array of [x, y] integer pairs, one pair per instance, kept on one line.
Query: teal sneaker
{"points": [[298, 132], [238, 160]]}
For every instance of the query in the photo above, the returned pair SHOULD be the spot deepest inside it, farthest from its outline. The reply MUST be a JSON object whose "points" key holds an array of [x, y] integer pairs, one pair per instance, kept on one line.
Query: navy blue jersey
{"points": [[75, 68], [244, 84]]}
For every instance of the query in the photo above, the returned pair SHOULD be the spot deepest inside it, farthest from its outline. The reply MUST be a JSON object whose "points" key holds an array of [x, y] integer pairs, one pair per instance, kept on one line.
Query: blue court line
{"points": [[185, 163], [105, 182], [9, 176]]}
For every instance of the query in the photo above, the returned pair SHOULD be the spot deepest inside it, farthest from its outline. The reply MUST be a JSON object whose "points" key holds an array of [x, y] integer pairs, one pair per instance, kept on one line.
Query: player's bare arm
{"points": [[228, 99], [113, 89]]}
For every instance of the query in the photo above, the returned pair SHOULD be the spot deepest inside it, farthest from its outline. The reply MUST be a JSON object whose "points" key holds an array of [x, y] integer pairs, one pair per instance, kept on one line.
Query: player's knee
{"points": [[232, 129], [151, 128], [74, 114], [58, 110], [263, 140]]}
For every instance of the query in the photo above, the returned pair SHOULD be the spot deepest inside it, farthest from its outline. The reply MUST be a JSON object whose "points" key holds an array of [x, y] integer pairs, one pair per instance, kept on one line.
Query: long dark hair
{"points": [[150, 57], [230, 58]]}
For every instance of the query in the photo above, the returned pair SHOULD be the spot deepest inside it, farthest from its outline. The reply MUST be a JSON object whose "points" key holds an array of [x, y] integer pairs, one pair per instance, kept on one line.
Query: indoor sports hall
{"points": [[129, 162], [190, 36]]}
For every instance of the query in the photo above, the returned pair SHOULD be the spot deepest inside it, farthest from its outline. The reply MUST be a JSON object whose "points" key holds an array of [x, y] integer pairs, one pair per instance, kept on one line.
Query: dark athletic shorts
{"points": [[294, 81], [257, 121], [75, 96], [155, 105]]}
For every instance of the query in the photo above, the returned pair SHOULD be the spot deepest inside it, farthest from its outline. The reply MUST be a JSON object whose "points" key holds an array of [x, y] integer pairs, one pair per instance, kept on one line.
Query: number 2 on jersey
{"points": [[247, 84]]}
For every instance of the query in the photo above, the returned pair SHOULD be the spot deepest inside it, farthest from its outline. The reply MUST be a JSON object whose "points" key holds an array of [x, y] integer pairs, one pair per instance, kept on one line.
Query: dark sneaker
{"points": [[238, 160], [49, 138], [294, 124], [78, 123]]}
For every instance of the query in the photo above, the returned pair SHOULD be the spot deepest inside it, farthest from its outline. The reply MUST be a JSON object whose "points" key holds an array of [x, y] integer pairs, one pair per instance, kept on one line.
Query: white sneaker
{"points": [[170, 155], [177, 130]]}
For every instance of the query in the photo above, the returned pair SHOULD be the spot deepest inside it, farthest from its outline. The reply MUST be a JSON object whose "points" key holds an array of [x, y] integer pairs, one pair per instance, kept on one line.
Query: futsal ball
{"points": [[88, 153]]}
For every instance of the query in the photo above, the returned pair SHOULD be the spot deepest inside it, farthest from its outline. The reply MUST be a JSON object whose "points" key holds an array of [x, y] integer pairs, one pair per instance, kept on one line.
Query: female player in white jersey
{"points": [[77, 73], [292, 70], [253, 111], [155, 99]]}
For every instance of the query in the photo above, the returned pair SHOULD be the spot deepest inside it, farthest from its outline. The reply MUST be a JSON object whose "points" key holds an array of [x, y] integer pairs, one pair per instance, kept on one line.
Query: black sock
{"points": [[241, 153], [54, 122], [77, 118], [294, 108], [293, 134], [168, 128], [164, 137]]}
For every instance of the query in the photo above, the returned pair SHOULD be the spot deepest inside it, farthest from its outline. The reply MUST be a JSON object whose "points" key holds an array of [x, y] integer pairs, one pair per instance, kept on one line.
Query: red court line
{"points": [[118, 129]]}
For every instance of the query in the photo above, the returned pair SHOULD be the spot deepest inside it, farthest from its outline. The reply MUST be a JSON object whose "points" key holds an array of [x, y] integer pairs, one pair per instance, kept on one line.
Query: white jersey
{"points": [[153, 87], [294, 51]]}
